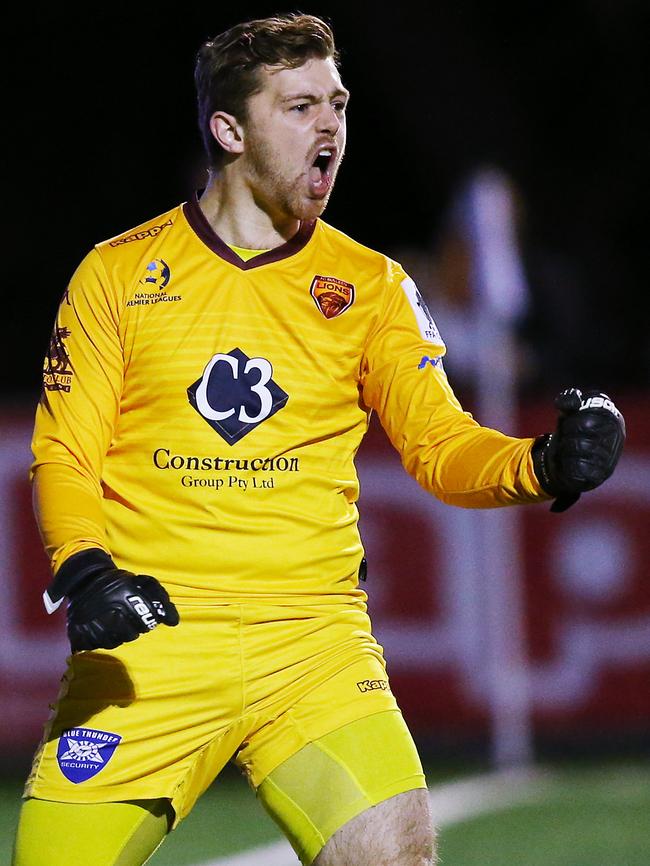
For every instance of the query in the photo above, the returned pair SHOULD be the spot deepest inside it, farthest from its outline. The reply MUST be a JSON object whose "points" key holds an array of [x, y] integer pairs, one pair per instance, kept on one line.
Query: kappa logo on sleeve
{"points": [[84, 752], [425, 321], [331, 295]]}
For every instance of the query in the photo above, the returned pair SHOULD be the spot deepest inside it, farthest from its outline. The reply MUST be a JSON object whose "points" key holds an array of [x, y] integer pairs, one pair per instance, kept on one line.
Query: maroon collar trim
{"points": [[196, 218]]}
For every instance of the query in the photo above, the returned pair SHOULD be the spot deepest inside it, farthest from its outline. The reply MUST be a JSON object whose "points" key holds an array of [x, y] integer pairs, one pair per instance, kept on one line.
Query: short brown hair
{"points": [[227, 67]]}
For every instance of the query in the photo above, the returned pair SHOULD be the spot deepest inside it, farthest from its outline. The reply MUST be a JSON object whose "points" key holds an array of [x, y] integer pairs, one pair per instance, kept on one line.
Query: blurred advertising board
{"points": [[585, 594]]}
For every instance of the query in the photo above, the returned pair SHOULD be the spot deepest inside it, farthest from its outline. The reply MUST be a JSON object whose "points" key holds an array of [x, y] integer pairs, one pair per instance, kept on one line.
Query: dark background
{"points": [[100, 118]]}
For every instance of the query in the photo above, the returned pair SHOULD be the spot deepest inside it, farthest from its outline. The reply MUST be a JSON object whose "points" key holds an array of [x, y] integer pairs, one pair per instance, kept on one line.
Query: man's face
{"points": [[294, 138]]}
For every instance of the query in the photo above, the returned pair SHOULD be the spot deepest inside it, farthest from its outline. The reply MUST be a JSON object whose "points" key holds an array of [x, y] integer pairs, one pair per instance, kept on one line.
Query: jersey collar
{"points": [[199, 224]]}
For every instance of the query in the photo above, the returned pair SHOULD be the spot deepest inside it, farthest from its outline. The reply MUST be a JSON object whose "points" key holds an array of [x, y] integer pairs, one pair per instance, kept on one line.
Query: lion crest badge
{"points": [[331, 295]]}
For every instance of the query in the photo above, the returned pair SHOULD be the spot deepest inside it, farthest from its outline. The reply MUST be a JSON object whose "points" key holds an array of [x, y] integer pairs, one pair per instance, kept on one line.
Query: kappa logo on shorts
{"points": [[371, 685], [84, 752]]}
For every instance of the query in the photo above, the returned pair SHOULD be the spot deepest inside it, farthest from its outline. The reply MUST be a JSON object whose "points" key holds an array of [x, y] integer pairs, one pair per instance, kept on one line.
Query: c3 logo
{"points": [[236, 393]]}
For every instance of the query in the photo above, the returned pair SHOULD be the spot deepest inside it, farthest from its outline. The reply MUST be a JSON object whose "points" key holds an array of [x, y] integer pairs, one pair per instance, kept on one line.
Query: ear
{"points": [[227, 131]]}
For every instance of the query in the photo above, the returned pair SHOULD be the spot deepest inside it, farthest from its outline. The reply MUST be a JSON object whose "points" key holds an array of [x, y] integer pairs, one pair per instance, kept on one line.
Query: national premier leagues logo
{"points": [[152, 286], [84, 752], [236, 393], [156, 275]]}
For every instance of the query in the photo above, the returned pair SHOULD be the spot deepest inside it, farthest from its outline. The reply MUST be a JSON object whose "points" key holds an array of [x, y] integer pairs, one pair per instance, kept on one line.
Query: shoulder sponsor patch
{"points": [[84, 752], [425, 321], [331, 295]]}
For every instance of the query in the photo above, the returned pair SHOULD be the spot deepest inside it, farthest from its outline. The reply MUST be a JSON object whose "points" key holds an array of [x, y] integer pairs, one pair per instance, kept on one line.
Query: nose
{"points": [[329, 120]]}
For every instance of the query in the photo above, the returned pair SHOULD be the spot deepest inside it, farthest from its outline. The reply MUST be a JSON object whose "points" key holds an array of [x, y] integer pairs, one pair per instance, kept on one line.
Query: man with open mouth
{"points": [[194, 468]]}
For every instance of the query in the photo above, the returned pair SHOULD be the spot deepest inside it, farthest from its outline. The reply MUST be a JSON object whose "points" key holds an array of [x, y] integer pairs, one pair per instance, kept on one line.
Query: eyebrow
{"points": [[309, 97]]}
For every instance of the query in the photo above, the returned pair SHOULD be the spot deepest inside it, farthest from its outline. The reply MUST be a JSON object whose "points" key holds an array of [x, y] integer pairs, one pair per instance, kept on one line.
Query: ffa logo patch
{"points": [[424, 319], [84, 752], [331, 295]]}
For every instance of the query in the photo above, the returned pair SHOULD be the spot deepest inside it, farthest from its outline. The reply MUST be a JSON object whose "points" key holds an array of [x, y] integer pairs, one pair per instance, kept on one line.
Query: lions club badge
{"points": [[331, 295], [84, 752]]}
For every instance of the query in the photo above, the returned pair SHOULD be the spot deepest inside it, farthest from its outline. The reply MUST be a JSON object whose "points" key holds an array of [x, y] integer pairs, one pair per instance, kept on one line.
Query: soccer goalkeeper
{"points": [[209, 380]]}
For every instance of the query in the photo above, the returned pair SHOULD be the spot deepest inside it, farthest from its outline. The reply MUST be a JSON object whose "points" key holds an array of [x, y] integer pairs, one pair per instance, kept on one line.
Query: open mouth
{"points": [[323, 159], [320, 173]]}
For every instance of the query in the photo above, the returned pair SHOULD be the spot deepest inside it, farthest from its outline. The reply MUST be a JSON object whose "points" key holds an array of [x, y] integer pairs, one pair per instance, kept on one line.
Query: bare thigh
{"points": [[397, 832]]}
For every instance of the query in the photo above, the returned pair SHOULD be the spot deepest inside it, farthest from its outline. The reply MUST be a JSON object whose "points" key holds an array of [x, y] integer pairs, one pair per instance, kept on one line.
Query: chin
{"points": [[311, 209]]}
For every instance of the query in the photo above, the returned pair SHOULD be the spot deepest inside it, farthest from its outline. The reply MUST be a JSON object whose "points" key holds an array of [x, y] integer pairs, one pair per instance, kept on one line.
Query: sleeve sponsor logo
{"points": [[84, 752], [426, 361], [236, 394], [423, 317], [57, 369], [140, 236], [331, 295]]}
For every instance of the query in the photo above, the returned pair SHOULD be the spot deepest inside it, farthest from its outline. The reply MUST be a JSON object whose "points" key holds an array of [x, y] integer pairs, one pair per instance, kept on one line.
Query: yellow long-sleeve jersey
{"points": [[201, 414]]}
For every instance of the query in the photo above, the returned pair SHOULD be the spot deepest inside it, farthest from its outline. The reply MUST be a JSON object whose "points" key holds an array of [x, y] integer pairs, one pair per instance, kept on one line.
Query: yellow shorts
{"points": [[256, 683]]}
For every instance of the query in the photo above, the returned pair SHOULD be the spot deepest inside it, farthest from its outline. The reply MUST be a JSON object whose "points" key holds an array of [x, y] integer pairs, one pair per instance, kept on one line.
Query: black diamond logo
{"points": [[236, 394]]}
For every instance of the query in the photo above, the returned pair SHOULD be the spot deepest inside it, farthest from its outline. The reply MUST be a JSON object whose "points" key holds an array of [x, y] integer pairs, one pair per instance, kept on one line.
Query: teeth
{"points": [[324, 152]]}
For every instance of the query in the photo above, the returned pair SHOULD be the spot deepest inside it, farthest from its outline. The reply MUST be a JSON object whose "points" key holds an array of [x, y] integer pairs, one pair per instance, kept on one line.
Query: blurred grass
{"points": [[595, 815], [598, 817]]}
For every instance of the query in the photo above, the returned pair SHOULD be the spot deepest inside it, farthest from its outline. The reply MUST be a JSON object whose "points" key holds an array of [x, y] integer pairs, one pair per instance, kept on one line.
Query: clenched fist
{"points": [[584, 449]]}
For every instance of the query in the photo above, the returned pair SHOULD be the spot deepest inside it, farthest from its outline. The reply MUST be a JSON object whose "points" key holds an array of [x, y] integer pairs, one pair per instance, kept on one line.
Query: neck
{"points": [[239, 220]]}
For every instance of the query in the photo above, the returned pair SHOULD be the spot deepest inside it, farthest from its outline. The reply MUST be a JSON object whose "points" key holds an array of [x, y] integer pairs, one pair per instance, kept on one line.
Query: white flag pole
{"points": [[500, 296]]}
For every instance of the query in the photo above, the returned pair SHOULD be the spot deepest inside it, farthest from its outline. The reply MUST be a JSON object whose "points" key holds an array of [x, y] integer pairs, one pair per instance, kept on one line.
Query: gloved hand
{"points": [[583, 451], [107, 606]]}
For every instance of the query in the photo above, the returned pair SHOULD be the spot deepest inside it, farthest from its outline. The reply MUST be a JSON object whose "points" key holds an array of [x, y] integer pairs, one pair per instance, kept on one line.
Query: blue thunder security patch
{"points": [[84, 752]]}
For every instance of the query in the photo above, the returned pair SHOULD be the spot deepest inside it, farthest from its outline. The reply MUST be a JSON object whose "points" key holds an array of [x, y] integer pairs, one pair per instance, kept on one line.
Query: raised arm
{"points": [[443, 447]]}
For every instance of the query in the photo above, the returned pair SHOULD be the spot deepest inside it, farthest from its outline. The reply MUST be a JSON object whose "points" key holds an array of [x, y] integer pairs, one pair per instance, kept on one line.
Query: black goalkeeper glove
{"points": [[106, 605], [583, 451]]}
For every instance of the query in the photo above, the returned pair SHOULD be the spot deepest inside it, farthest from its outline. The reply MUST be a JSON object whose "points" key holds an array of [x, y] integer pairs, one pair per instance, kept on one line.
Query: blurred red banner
{"points": [[585, 595]]}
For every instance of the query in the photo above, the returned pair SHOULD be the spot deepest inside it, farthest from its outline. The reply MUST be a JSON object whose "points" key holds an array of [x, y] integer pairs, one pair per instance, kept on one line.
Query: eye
{"points": [[301, 107], [339, 106]]}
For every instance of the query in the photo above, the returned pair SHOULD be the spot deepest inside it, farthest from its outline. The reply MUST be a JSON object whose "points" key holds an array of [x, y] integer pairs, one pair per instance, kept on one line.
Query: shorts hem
{"points": [[114, 794]]}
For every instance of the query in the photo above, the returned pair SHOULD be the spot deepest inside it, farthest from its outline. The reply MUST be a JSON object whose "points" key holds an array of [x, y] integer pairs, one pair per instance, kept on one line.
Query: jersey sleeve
{"points": [[77, 413], [441, 446]]}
